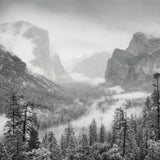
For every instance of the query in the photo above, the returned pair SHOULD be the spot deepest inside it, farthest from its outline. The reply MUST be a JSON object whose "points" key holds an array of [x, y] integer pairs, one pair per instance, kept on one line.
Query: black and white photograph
{"points": [[79, 79]]}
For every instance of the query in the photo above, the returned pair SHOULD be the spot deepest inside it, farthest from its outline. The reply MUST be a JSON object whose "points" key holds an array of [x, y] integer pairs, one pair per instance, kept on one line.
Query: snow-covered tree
{"points": [[93, 136], [153, 150], [83, 147], [68, 132], [114, 153], [38, 154], [102, 134], [13, 141], [71, 150], [49, 142]]}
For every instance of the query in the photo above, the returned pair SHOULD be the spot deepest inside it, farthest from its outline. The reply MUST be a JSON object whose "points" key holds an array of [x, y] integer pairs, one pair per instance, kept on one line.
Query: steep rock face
{"points": [[93, 66], [136, 65], [142, 44], [13, 73], [117, 68], [52, 103], [24, 38], [62, 75]]}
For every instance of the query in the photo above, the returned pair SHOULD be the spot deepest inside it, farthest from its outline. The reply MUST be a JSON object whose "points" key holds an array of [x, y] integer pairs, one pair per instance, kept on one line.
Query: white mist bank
{"points": [[132, 95], [96, 113], [78, 77], [106, 117], [84, 121]]}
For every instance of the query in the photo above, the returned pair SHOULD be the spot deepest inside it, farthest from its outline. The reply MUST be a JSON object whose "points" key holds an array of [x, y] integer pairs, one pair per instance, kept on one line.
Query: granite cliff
{"points": [[135, 66], [32, 45]]}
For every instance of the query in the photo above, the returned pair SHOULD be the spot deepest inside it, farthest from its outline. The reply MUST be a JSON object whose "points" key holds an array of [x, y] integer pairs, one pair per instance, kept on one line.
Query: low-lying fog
{"points": [[95, 113], [107, 116]]}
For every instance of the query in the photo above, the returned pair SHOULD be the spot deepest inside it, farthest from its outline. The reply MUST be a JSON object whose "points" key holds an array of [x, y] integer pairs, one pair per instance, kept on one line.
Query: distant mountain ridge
{"points": [[93, 66], [37, 40], [135, 66]]}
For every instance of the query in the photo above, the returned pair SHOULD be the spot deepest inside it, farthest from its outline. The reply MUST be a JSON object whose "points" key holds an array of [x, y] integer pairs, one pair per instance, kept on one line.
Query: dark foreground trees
{"points": [[20, 131]]}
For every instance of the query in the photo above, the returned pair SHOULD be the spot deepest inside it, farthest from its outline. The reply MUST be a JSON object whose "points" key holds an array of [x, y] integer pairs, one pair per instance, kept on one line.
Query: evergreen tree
{"points": [[27, 121], [53, 147], [62, 145], [68, 131], [114, 153], [83, 145], [13, 129], [121, 131], [45, 141], [153, 150], [93, 137], [71, 150], [38, 154], [156, 103], [102, 134], [33, 142]]}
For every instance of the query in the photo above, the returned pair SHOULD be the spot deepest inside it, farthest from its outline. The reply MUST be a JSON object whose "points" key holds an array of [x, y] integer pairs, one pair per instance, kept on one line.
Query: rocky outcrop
{"points": [[14, 74], [135, 66], [25, 38], [61, 75], [142, 44]]}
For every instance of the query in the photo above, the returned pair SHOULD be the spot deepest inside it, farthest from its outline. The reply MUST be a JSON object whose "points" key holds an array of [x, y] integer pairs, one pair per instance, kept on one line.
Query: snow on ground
{"points": [[3, 121]]}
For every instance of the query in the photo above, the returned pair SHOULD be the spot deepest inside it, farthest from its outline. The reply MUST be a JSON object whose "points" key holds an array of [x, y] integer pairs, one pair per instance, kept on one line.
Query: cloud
{"points": [[19, 45], [84, 79], [79, 27], [112, 13]]}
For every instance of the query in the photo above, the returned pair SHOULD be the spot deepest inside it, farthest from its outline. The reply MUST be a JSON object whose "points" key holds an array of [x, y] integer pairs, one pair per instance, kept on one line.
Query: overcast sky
{"points": [[79, 27]]}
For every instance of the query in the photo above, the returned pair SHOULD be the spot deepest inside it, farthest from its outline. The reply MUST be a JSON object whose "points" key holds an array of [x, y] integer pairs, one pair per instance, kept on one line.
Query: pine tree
{"points": [[102, 134], [67, 133], [38, 154], [93, 137], [71, 150], [83, 145], [132, 148], [153, 150], [13, 129], [26, 119], [114, 153], [120, 129], [33, 142], [62, 145], [116, 126], [156, 99], [45, 141], [53, 147]]}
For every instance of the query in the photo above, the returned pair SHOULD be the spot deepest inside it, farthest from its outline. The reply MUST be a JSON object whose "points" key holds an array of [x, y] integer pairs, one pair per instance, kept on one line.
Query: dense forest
{"points": [[131, 137]]}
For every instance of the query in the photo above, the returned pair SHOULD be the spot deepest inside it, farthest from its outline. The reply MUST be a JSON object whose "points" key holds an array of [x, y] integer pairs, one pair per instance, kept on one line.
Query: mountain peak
{"points": [[32, 45], [143, 44], [135, 65]]}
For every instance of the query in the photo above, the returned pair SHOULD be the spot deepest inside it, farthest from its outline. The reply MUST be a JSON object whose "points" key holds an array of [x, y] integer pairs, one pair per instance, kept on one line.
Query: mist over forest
{"points": [[79, 80]]}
